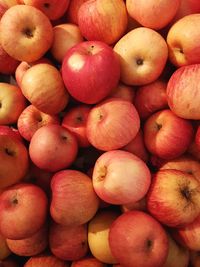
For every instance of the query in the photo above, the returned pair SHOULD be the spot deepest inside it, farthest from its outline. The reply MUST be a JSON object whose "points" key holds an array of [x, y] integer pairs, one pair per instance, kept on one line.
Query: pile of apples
{"points": [[99, 133]]}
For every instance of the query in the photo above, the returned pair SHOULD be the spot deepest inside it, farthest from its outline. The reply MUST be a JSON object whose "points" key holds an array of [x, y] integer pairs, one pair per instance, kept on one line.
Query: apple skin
{"points": [[12, 103], [25, 37], [22, 201], [32, 245], [173, 197], [124, 91], [14, 160], [136, 205], [68, 243], [187, 7], [151, 98], [53, 148], [88, 262], [147, 13], [144, 232], [50, 7], [98, 230], [197, 138], [183, 92], [164, 129], [31, 119], [90, 70], [72, 11], [45, 260], [75, 120], [183, 41], [119, 177], [43, 86], [12, 131], [138, 66], [71, 188], [4, 249], [117, 121], [110, 20], [8, 64], [65, 36]]}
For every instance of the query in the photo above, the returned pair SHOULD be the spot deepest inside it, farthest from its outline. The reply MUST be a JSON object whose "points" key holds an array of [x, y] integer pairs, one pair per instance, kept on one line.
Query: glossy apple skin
{"points": [[171, 192], [45, 260], [71, 188], [183, 92], [143, 231], [68, 243], [90, 70], [22, 200], [53, 148], [120, 177], [117, 122], [110, 20], [164, 129]]}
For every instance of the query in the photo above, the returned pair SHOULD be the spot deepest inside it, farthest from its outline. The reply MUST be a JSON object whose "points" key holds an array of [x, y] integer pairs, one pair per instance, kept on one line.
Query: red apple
{"points": [[137, 239], [31, 119], [90, 71], [110, 20], [117, 122], [25, 37], [22, 201], [74, 200], [174, 197], [72, 11], [124, 91], [8, 64], [187, 7], [45, 260], [136, 205], [88, 262], [11, 131], [53, 148], [120, 177], [166, 135]]}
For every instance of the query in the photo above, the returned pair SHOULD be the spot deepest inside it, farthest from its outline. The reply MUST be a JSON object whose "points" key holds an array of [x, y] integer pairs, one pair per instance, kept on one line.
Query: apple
{"points": [[193, 150], [3, 8], [119, 177], [50, 7], [124, 91], [183, 41], [74, 200], [22, 201], [117, 121], [88, 262], [65, 36], [14, 160], [8, 64], [98, 230], [136, 205], [139, 64], [12, 103], [31, 119], [53, 147], [187, 7], [147, 13], [90, 70], [75, 121], [151, 98], [72, 11], [137, 239], [43, 86], [4, 249], [110, 20], [197, 138], [166, 135], [11, 131], [25, 37], [183, 92], [30, 246], [173, 197], [68, 243], [45, 260]]}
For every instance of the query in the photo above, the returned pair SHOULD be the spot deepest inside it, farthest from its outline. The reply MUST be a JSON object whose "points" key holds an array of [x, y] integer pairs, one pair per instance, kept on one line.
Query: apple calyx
{"points": [[28, 32], [102, 173]]}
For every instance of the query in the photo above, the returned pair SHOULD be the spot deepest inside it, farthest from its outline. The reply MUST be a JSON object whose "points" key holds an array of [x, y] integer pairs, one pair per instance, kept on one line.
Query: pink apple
{"points": [[8, 64], [74, 200], [68, 243], [53, 148], [151, 98], [174, 197], [65, 36], [167, 135], [88, 262], [25, 37], [110, 20], [147, 242], [45, 260], [124, 91], [72, 11], [90, 71], [50, 7], [43, 86], [117, 121], [75, 121], [147, 13], [120, 177], [31, 119], [183, 94], [139, 66], [22, 201]]}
